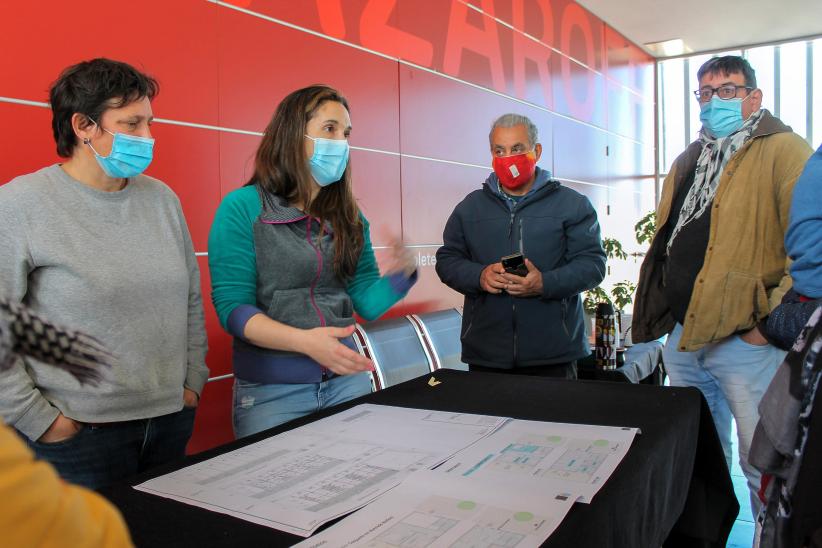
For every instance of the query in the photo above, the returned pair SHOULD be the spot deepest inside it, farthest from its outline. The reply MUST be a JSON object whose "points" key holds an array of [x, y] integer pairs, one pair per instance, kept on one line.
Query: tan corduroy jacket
{"points": [[745, 273]]}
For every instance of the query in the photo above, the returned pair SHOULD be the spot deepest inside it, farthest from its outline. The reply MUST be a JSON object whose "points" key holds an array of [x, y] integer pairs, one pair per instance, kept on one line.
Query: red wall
{"points": [[424, 78]]}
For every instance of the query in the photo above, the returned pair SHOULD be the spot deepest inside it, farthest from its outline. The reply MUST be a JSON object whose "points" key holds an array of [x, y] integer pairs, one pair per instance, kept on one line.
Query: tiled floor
{"points": [[743, 530]]}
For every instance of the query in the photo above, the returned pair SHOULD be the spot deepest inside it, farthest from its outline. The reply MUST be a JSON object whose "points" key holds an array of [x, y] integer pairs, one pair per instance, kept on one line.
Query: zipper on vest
{"points": [[314, 285], [319, 272]]}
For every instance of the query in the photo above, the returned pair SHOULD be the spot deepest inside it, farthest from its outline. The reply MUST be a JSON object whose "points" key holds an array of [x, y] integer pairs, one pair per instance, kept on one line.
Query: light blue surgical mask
{"points": [[130, 155], [722, 117], [329, 160]]}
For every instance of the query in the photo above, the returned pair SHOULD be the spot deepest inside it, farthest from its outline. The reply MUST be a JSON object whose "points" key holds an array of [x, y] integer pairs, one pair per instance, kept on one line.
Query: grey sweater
{"points": [[119, 266]]}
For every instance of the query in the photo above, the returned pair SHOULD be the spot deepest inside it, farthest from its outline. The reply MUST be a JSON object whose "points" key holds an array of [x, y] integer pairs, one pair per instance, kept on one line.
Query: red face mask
{"points": [[515, 171]]}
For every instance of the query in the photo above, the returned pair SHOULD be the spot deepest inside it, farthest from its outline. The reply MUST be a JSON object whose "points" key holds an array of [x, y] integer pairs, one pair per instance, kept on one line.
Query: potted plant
{"points": [[622, 293], [592, 298], [613, 250], [645, 228]]}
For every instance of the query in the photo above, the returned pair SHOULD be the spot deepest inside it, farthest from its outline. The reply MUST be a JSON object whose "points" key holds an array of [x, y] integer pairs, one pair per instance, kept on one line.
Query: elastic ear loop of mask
{"points": [[87, 141]]}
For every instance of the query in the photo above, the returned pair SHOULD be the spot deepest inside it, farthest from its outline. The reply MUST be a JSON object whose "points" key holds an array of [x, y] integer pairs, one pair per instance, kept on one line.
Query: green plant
{"points": [[592, 298], [623, 294], [613, 248], [644, 228]]}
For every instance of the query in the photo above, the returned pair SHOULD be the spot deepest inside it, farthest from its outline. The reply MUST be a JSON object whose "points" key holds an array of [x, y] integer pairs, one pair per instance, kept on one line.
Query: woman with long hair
{"points": [[291, 260]]}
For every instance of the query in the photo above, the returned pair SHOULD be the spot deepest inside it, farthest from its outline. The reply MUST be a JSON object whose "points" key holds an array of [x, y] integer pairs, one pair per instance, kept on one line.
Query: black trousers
{"points": [[563, 370]]}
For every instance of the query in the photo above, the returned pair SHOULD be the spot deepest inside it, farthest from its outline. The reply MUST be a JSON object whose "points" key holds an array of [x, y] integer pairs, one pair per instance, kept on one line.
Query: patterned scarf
{"points": [[712, 160], [24, 333]]}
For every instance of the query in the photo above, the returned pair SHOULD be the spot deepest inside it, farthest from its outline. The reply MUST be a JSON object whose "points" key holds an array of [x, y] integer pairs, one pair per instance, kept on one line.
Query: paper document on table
{"points": [[557, 457], [433, 510], [300, 479]]}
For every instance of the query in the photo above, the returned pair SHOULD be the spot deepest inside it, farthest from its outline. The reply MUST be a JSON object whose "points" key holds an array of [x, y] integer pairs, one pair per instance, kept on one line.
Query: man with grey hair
{"points": [[521, 249]]}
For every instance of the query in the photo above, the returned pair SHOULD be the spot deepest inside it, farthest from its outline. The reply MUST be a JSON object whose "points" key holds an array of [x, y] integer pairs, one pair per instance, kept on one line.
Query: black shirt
{"points": [[687, 255]]}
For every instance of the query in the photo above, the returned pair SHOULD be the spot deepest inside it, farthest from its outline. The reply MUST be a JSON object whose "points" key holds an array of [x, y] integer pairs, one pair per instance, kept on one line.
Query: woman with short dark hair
{"points": [[94, 243], [291, 260]]}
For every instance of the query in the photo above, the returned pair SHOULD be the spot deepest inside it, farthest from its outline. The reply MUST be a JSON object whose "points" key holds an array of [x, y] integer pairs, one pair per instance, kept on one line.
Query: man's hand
{"points": [[754, 337], [61, 429], [491, 279], [190, 398], [524, 286], [324, 346]]}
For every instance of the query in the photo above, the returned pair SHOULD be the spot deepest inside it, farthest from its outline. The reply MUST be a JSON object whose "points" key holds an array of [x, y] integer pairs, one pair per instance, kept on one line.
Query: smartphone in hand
{"points": [[515, 264]]}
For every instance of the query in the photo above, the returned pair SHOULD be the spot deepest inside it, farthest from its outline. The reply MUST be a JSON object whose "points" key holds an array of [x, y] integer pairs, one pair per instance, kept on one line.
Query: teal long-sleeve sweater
{"points": [[277, 261]]}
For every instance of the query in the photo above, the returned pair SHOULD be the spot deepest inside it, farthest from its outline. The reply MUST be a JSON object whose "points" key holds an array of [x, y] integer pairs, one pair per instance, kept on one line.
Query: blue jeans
{"points": [[258, 407], [732, 375], [100, 455]]}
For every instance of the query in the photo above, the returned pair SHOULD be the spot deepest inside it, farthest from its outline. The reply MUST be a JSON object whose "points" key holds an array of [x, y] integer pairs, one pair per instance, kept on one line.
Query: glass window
{"points": [[671, 111], [793, 86], [761, 59]]}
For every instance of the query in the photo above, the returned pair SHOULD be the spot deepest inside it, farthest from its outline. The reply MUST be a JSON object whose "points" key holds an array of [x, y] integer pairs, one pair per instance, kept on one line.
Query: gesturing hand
{"points": [[401, 259], [491, 279], [524, 286], [324, 346]]}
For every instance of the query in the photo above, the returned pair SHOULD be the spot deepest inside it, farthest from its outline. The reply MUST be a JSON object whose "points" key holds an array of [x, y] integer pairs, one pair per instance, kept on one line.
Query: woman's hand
{"points": [[323, 345], [61, 429], [401, 259], [190, 398]]}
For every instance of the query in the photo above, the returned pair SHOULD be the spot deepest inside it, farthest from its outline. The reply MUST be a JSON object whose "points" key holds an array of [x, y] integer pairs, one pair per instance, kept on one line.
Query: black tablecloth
{"points": [[673, 484]]}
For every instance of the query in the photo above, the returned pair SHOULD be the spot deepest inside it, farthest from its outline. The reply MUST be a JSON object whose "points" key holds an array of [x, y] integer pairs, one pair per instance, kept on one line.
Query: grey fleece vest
{"points": [[296, 282]]}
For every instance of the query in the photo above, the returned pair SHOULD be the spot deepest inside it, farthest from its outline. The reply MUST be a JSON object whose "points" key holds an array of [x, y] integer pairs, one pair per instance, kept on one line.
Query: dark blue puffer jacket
{"points": [[557, 229]]}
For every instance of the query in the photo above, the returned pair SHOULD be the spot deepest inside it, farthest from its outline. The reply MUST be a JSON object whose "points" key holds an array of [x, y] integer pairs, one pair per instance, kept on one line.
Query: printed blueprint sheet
{"points": [[432, 510], [300, 479], [554, 457]]}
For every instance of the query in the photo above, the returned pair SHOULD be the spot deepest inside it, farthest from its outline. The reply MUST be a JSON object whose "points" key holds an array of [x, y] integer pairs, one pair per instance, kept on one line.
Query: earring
{"points": [[86, 141]]}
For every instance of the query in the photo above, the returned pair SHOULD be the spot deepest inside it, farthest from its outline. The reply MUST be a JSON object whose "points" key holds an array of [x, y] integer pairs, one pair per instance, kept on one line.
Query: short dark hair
{"points": [[728, 64], [91, 88]]}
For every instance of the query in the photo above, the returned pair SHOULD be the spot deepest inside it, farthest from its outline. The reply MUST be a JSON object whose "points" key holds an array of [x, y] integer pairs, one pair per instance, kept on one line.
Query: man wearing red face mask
{"points": [[530, 323]]}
